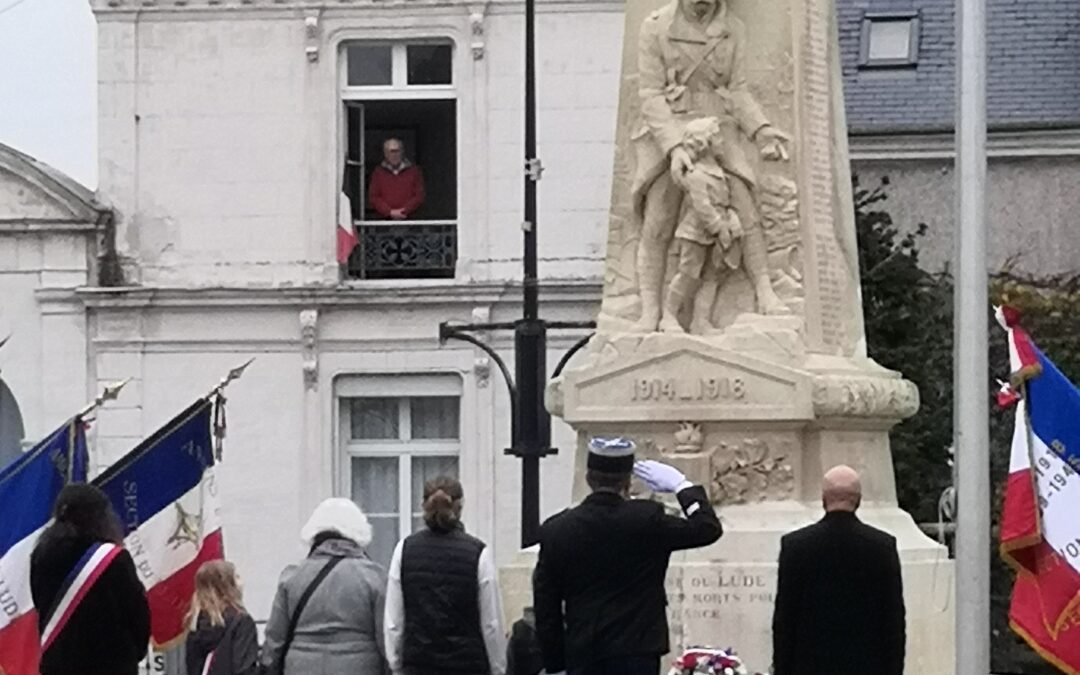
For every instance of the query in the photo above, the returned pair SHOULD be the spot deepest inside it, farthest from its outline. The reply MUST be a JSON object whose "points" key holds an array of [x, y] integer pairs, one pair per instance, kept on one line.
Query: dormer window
{"points": [[889, 40]]}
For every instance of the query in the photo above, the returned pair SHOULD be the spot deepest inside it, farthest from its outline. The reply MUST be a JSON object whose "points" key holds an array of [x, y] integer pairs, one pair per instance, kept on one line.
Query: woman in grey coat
{"points": [[340, 629]]}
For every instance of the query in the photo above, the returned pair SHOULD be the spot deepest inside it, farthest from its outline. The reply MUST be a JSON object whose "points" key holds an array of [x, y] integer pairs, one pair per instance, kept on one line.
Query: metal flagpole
{"points": [[971, 391]]}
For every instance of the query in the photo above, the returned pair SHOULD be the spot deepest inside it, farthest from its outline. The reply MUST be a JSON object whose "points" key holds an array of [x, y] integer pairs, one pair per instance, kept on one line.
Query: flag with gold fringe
{"points": [[1040, 530]]}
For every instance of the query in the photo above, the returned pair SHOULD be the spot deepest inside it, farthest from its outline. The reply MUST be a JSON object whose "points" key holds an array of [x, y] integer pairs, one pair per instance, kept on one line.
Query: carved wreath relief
{"points": [[738, 472], [751, 470]]}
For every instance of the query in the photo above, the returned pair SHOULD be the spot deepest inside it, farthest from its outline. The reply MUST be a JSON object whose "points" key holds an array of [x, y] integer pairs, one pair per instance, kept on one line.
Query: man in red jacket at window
{"points": [[397, 187]]}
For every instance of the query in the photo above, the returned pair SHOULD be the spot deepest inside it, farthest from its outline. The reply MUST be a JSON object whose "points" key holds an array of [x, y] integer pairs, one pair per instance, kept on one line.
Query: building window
{"points": [[400, 98], [393, 444], [889, 41]]}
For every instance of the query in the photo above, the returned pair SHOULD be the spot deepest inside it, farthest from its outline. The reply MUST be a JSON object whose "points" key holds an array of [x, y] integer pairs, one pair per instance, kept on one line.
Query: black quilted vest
{"points": [[442, 605]]}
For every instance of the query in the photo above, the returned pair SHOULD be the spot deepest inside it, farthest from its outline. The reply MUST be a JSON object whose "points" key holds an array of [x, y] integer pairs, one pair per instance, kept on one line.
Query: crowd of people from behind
{"points": [[599, 597]]}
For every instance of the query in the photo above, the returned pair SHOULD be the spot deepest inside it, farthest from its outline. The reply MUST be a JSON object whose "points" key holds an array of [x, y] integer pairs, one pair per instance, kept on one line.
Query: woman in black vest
{"points": [[443, 613], [109, 630]]}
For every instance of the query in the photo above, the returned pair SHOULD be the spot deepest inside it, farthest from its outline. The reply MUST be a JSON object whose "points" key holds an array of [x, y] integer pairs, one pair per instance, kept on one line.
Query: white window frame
{"points": [[399, 87], [398, 90], [914, 29], [404, 448]]}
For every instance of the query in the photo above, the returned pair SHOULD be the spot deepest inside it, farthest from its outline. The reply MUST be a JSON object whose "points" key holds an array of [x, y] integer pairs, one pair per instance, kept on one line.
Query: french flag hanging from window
{"points": [[165, 495], [28, 488], [346, 235], [1040, 530]]}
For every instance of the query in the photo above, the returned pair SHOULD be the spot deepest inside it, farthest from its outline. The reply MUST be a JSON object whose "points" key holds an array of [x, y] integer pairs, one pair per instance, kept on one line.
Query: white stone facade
{"points": [[49, 235], [221, 134]]}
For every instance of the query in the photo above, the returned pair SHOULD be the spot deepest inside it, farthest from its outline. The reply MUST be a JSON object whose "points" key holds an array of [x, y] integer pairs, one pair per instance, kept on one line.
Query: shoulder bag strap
{"points": [[295, 620]]}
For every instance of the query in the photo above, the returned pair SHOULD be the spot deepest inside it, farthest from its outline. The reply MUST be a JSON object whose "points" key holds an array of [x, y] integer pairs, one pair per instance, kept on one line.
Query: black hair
{"points": [[83, 510], [607, 481]]}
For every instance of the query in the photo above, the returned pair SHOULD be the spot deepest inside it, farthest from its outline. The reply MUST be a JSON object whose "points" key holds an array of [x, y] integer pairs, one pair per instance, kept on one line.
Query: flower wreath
{"points": [[709, 661]]}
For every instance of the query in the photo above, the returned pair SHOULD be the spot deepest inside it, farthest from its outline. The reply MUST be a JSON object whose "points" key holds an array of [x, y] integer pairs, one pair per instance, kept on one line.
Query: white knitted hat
{"points": [[338, 515]]}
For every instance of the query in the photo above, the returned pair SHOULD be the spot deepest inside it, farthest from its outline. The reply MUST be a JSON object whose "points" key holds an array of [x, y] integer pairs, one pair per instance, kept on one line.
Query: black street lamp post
{"points": [[530, 422]]}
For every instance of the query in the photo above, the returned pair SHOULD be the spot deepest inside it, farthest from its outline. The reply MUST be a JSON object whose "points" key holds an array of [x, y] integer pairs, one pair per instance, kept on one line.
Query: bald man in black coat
{"points": [[839, 600]]}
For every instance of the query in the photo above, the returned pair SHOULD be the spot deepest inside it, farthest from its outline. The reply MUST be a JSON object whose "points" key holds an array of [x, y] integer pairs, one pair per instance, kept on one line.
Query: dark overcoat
{"points": [[839, 601], [598, 588]]}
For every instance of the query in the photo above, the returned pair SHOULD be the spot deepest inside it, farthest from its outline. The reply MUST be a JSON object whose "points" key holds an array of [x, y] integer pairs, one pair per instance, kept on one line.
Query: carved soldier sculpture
{"points": [[690, 65], [709, 233]]}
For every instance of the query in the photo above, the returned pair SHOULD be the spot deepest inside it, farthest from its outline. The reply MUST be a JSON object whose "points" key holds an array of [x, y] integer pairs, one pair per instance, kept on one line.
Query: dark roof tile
{"points": [[1033, 49]]}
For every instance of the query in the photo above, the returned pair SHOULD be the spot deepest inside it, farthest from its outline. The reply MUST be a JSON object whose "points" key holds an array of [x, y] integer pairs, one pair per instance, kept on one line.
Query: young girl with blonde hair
{"points": [[223, 639]]}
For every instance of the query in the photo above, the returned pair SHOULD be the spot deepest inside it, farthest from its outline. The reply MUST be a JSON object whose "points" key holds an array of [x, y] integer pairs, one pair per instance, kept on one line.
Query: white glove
{"points": [[658, 476]]}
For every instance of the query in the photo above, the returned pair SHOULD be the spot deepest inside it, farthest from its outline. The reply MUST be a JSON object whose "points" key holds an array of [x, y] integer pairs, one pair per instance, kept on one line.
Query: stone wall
{"points": [[220, 136], [1032, 204], [283, 452]]}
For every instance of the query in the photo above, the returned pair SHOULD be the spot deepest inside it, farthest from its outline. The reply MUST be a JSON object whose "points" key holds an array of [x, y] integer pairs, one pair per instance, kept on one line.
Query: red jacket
{"points": [[402, 190]]}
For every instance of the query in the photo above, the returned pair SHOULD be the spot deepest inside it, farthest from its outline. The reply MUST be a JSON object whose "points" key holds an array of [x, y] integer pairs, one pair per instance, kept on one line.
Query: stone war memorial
{"points": [[730, 339]]}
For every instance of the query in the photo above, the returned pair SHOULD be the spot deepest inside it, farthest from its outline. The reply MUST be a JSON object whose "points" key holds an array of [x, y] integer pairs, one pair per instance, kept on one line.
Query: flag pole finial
{"points": [[109, 393], [232, 375], [218, 394]]}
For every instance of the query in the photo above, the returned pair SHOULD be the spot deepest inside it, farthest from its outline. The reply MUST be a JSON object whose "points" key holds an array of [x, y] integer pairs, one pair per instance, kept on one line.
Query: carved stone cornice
{"points": [[864, 396], [172, 6]]}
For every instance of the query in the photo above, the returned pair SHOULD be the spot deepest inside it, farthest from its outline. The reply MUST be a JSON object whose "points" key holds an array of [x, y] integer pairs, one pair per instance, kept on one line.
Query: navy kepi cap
{"points": [[611, 455]]}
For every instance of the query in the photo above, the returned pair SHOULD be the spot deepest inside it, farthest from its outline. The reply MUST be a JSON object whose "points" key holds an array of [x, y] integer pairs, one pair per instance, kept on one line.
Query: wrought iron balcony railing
{"points": [[396, 249]]}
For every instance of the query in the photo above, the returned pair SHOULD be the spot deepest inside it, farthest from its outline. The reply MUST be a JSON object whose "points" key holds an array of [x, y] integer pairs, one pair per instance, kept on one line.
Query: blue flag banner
{"points": [[28, 488], [29, 485], [166, 496], [161, 469]]}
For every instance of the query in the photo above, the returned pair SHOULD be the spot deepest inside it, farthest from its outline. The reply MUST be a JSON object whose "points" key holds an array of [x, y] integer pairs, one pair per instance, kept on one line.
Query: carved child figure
{"points": [[707, 224]]}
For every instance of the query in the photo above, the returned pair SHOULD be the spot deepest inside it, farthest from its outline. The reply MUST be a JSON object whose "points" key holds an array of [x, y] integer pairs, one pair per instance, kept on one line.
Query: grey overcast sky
{"points": [[48, 83]]}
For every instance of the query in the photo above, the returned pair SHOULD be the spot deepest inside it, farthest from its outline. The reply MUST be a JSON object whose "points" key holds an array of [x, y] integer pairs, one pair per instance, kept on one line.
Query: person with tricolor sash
{"points": [[93, 614]]}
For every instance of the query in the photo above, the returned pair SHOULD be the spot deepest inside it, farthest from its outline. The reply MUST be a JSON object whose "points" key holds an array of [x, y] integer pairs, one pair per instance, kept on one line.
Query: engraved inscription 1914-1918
{"points": [[688, 389]]}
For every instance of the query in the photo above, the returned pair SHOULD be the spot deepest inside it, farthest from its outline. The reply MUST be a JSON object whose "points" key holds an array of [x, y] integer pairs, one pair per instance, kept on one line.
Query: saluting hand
{"points": [[658, 476]]}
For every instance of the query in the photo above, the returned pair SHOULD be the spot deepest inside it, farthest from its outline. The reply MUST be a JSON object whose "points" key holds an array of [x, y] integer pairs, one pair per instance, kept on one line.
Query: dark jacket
{"points": [[839, 601], [441, 594], [606, 559], [109, 632], [523, 656], [235, 645]]}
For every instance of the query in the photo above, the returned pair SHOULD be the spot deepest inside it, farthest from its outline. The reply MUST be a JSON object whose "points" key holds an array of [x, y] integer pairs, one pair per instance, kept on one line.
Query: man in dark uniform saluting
{"points": [[598, 589]]}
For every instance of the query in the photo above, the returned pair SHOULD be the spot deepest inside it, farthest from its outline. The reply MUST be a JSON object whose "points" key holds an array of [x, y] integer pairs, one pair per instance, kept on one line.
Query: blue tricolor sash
{"points": [[78, 583]]}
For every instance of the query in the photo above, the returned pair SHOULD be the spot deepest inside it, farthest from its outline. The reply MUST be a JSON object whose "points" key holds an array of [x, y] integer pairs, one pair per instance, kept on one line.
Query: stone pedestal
{"points": [[722, 595], [758, 429]]}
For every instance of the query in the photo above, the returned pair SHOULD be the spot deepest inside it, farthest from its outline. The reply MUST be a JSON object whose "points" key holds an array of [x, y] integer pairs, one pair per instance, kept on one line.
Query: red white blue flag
{"points": [[89, 568], [166, 497], [28, 488], [1040, 528]]}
